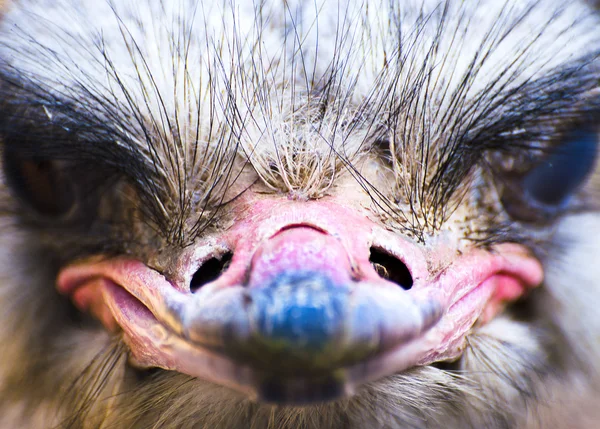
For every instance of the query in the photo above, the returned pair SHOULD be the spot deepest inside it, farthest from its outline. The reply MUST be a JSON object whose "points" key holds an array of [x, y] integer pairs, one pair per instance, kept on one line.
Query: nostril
{"points": [[210, 270], [391, 268]]}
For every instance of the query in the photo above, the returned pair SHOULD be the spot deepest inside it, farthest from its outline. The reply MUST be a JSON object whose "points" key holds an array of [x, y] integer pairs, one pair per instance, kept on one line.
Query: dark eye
{"points": [[550, 183], [563, 170], [41, 184]]}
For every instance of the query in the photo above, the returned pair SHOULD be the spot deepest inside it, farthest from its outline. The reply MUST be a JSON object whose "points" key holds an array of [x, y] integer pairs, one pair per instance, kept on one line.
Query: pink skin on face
{"points": [[170, 327]]}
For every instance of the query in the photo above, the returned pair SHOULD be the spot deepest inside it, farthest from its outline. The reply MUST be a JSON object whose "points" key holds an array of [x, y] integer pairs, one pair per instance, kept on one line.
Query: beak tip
{"points": [[303, 310]]}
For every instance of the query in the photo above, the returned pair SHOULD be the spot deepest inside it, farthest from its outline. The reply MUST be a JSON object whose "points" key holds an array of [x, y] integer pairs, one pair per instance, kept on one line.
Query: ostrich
{"points": [[299, 214]]}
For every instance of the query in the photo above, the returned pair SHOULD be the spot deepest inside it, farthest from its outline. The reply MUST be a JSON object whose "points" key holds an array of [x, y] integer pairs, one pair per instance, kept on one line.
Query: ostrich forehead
{"points": [[189, 63], [298, 90]]}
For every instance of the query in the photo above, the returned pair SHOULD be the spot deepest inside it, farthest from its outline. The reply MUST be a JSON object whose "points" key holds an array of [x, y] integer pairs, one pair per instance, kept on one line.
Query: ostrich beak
{"points": [[301, 314]]}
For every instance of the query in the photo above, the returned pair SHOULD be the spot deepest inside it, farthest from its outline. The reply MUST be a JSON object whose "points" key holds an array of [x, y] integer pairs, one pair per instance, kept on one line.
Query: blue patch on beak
{"points": [[300, 313]]}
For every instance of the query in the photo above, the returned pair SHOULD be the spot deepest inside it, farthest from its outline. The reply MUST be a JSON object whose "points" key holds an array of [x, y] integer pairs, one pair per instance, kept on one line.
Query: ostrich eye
{"points": [[40, 183], [563, 170], [549, 184]]}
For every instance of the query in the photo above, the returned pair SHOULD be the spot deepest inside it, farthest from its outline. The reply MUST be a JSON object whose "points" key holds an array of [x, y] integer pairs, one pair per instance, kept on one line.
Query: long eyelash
{"points": [[109, 122]]}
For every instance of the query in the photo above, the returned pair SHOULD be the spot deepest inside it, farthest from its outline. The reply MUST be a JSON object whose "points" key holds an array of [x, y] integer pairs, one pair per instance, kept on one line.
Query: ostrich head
{"points": [[331, 214]]}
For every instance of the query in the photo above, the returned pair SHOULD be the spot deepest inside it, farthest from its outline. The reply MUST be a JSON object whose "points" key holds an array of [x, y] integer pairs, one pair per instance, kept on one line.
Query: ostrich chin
{"points": [[330, 215]]}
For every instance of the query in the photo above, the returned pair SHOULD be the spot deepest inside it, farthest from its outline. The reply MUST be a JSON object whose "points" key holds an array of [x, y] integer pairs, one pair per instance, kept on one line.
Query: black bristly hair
{"points": [[91, 124]]}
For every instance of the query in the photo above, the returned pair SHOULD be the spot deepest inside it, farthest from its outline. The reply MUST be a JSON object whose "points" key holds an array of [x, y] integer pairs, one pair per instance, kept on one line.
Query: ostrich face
{"points": [[217, 213]]}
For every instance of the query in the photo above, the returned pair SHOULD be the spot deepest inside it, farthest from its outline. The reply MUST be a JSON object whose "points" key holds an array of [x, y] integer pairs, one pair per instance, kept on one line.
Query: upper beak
{"points": [[301, 315]]}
